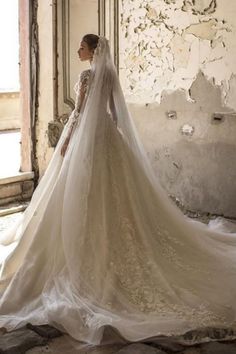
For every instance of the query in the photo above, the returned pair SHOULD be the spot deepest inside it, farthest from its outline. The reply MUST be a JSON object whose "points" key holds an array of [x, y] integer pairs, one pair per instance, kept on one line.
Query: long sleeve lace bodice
{"points": [[81, 88]]}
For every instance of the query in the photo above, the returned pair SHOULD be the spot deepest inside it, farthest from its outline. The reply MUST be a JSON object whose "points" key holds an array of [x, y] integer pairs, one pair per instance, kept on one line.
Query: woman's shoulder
{"points": [[83, 80], [85, 74]]}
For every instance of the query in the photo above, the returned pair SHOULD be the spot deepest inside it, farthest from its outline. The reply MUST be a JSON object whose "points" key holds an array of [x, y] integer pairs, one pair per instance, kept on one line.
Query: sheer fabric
{"points": [[101, 243]]}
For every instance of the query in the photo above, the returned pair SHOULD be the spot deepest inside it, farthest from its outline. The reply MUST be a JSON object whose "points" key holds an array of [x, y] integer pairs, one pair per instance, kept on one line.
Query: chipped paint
{"points": [[204, 30], [187, 129], [201, 7], [165, 44]]}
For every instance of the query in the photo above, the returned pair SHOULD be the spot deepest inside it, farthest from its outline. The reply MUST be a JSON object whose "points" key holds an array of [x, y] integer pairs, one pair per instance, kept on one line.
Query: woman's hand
{"points": [[64, 146]]}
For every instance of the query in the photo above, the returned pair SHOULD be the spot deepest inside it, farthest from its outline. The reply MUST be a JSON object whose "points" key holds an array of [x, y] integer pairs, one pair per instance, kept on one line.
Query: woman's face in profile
{"points": [[84, 52]]}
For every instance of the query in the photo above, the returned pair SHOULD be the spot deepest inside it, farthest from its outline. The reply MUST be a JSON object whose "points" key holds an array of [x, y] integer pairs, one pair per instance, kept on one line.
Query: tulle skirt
{"points": [[101, 245]]}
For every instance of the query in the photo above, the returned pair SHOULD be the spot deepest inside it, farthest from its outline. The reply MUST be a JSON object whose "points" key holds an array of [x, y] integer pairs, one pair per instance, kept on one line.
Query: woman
{"points": [[101, 244]]}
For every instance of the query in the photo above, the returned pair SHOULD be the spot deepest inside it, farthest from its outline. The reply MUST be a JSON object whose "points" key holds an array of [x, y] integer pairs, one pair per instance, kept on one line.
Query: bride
{"points": [[101, 244]]}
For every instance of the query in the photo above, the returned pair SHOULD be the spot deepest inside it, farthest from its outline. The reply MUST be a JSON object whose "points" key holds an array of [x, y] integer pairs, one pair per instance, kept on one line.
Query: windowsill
{"points": [[9, 94], [20, 176]]}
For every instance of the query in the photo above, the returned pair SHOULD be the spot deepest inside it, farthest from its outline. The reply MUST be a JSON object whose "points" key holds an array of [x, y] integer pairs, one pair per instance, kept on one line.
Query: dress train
{"points": [[102, 245]]}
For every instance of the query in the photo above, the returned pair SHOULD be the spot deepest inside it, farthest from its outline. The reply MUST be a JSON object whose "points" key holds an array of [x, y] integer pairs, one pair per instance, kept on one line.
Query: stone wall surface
{"points": [[178, 70]]}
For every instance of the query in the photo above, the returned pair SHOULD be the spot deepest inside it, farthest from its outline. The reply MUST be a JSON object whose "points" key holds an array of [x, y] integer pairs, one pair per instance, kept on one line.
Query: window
{"points": [[9, 44]]}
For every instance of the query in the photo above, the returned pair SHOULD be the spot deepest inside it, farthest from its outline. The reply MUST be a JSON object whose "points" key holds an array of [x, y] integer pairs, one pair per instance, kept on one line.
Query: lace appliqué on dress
{"points": [[81, 86], [82, 83], [136, 273]]}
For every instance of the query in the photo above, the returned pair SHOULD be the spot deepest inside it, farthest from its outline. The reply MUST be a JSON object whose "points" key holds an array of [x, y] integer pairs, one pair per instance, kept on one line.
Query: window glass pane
{"points": [[9, 46]]}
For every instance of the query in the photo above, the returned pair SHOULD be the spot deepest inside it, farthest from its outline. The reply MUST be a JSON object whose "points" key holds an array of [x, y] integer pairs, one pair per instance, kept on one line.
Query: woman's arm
{"points": [[80, 100]]}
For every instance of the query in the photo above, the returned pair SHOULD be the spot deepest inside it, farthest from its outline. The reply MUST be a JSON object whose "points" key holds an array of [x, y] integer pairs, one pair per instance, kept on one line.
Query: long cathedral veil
{"points": [[101, 244]]}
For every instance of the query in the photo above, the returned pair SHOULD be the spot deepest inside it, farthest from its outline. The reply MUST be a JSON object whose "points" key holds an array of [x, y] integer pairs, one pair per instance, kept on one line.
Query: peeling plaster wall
{"points": [[178, 68], [165, 43]]}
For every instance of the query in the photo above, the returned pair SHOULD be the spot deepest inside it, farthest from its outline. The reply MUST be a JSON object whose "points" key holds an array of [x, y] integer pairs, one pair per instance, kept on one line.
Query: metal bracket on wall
{"points": [[219, 117]]}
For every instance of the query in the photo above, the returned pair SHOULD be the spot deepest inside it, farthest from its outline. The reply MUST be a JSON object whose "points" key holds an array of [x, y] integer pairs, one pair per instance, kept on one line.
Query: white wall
{"points": [[46, 97]]}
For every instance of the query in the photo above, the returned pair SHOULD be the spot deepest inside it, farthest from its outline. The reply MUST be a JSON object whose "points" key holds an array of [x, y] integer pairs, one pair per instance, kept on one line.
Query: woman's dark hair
{"points": [[91, 40]]}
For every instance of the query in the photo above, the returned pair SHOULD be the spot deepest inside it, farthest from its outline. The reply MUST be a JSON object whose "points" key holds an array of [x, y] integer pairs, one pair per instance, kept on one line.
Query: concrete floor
{"points": [[67, 345], [28, 341]]}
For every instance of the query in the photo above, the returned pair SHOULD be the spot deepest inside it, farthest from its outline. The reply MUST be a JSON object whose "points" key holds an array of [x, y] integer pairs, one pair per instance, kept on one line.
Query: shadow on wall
{"points": [[191, 145]]}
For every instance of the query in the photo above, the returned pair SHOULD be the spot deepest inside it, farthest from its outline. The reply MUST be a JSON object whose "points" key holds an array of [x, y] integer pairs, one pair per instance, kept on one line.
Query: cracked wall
{"points": [[175, 39], [178, 71]]}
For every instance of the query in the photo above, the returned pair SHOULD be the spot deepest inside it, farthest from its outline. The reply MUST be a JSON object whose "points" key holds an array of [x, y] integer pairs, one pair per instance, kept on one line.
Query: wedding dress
{"points": [[102, 245]]}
